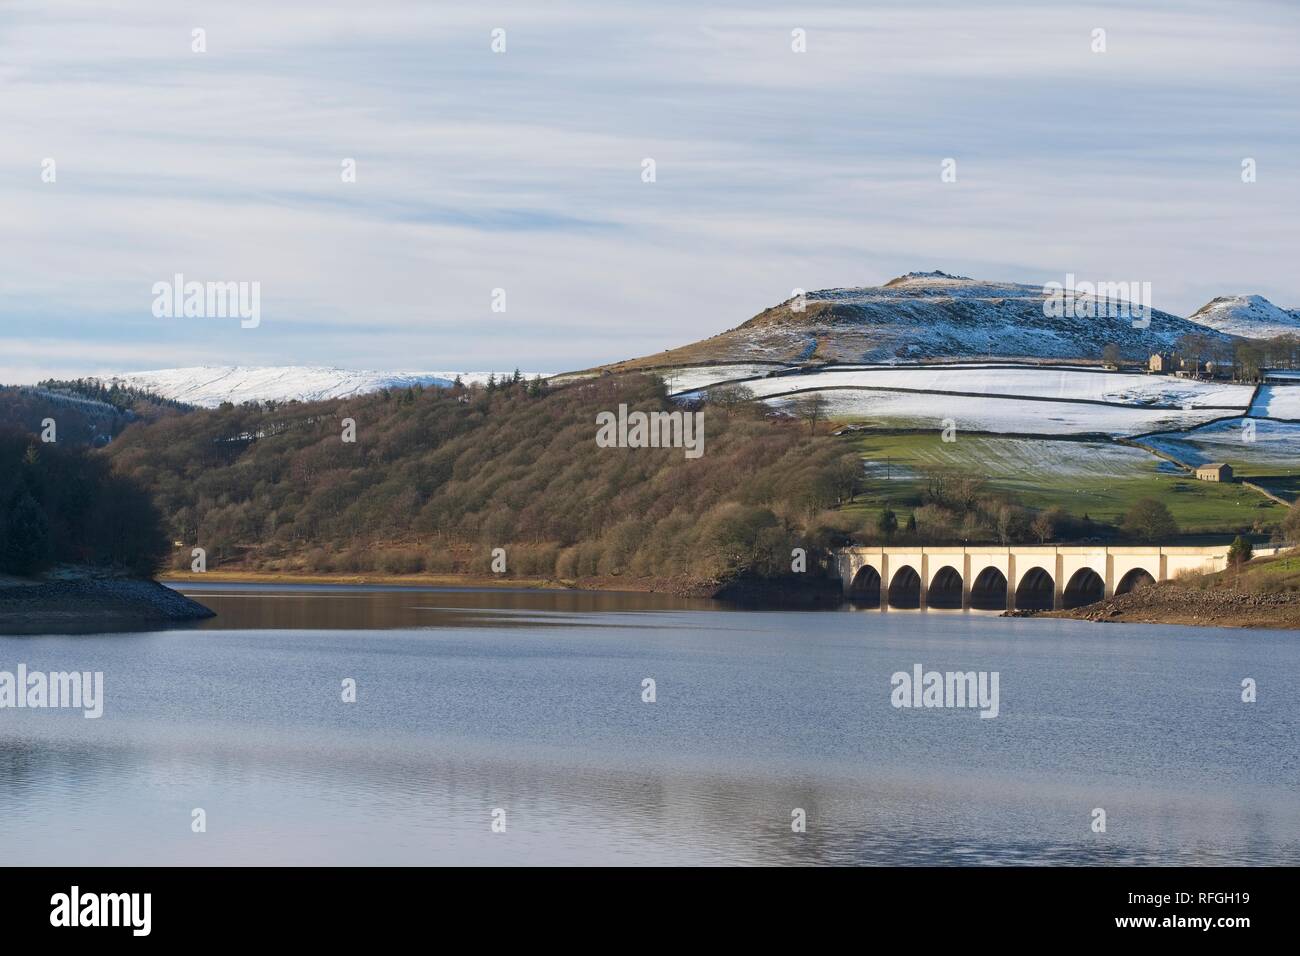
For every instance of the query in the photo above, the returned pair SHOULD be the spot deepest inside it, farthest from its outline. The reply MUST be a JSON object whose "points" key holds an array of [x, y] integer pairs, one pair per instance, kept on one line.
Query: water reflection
{"points": [[245, 606], [530, 701], [284, 801]]}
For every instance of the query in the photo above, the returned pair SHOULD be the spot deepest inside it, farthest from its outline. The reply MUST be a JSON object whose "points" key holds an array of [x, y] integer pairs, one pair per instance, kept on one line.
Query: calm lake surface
{"points": [[475, 701]]}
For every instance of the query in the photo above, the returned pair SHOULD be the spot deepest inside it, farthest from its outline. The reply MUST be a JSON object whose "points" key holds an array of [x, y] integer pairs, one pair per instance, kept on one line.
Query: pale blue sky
{"points": [[521, 170]]}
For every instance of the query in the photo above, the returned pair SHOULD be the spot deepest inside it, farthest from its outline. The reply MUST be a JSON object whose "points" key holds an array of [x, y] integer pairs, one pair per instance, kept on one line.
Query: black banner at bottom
{"points": [[334, 906]]}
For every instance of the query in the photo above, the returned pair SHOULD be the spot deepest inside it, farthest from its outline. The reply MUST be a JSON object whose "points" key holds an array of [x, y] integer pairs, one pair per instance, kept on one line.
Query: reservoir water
{"points": [[528, 709]]}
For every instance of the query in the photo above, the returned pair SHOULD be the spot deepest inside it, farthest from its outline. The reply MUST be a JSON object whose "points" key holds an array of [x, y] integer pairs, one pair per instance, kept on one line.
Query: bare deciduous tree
{"points": [[811, 409]]}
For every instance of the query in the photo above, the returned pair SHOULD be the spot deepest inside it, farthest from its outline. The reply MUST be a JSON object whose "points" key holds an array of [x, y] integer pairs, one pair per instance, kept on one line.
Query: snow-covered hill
{"points": [[208, 386], [931, 316], [1250, 316]]}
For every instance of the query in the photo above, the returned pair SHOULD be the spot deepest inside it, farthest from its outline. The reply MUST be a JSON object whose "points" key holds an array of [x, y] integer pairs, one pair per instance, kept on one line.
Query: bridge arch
{"points": [[1035, 591], [865, 588], [988, 592], [905, 588], [1136, 578], [945, 589], [1084, 587]]}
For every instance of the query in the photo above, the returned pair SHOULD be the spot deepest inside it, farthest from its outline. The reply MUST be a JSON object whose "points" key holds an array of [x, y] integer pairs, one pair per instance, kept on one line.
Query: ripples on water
{"points": [[472, 700]]}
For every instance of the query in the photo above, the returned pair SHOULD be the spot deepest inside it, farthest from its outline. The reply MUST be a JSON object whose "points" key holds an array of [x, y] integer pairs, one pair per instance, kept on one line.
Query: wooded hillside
{"points": [[436, 478]]}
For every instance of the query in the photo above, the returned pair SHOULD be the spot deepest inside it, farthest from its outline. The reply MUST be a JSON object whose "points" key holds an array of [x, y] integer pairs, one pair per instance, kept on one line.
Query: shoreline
{"points": [[83, 605], [1171, 603], [496, 582], [789, 591], [1167, 604], [92, 604]]}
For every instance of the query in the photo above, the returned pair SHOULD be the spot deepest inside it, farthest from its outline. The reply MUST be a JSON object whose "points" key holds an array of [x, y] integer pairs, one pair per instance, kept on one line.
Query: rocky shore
{"points": [[91, 604], [1173, 603]]}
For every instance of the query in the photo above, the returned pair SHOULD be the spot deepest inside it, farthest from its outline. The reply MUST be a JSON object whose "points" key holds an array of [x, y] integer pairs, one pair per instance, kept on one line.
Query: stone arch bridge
{"points": [[1011, 578]]}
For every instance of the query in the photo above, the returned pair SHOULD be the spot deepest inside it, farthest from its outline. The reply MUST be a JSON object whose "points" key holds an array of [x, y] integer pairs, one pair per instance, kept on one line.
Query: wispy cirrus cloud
{"points": [[522, 170]]}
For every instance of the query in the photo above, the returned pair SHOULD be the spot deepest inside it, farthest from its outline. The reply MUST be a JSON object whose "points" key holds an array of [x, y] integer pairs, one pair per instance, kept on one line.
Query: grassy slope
{"points": [[1263, 593], [1268, 575], [1100, 479]]}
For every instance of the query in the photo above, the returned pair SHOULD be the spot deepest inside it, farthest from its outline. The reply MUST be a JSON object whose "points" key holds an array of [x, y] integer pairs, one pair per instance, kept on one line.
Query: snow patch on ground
{"points": [[1272, 443], [690, 379], [1033, 460], [1277, 401], [1007, 415], [1054, 383]]}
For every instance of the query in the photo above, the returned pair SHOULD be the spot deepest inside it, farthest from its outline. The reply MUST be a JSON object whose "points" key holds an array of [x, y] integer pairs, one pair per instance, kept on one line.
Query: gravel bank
{"points": [[1207, 607], [92, 605]]}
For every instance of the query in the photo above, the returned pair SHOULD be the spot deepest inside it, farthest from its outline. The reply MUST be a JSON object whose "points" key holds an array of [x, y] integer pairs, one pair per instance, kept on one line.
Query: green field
{"points": [[1284, 486], [1266, 575], [1100, 479]]}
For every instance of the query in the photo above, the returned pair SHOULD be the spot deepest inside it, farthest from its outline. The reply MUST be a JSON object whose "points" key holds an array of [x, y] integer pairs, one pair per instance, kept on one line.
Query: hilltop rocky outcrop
{"points": [[934, 316], [1248, 316]]}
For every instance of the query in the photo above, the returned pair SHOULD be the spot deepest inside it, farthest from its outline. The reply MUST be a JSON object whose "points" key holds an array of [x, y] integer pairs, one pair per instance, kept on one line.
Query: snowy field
{"points": [[1277, 401], [1272, 444], [1052, 383], [1014, 415], [688, 379], [1034, 460], [994, 398]]}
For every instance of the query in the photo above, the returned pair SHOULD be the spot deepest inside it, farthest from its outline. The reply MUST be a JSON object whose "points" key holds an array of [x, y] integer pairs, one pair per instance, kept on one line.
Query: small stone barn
{"points": [[1214, 471]]}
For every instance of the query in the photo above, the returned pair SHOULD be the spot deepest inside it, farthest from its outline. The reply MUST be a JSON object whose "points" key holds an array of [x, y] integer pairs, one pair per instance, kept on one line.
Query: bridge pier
{"points": [[965, 580], [884, 582], [1011, 580], [925, 580], [1058, 585]]}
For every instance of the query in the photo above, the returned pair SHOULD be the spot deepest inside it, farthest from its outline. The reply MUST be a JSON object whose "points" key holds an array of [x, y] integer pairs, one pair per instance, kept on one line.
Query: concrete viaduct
{"points": [[1011, 578]]}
